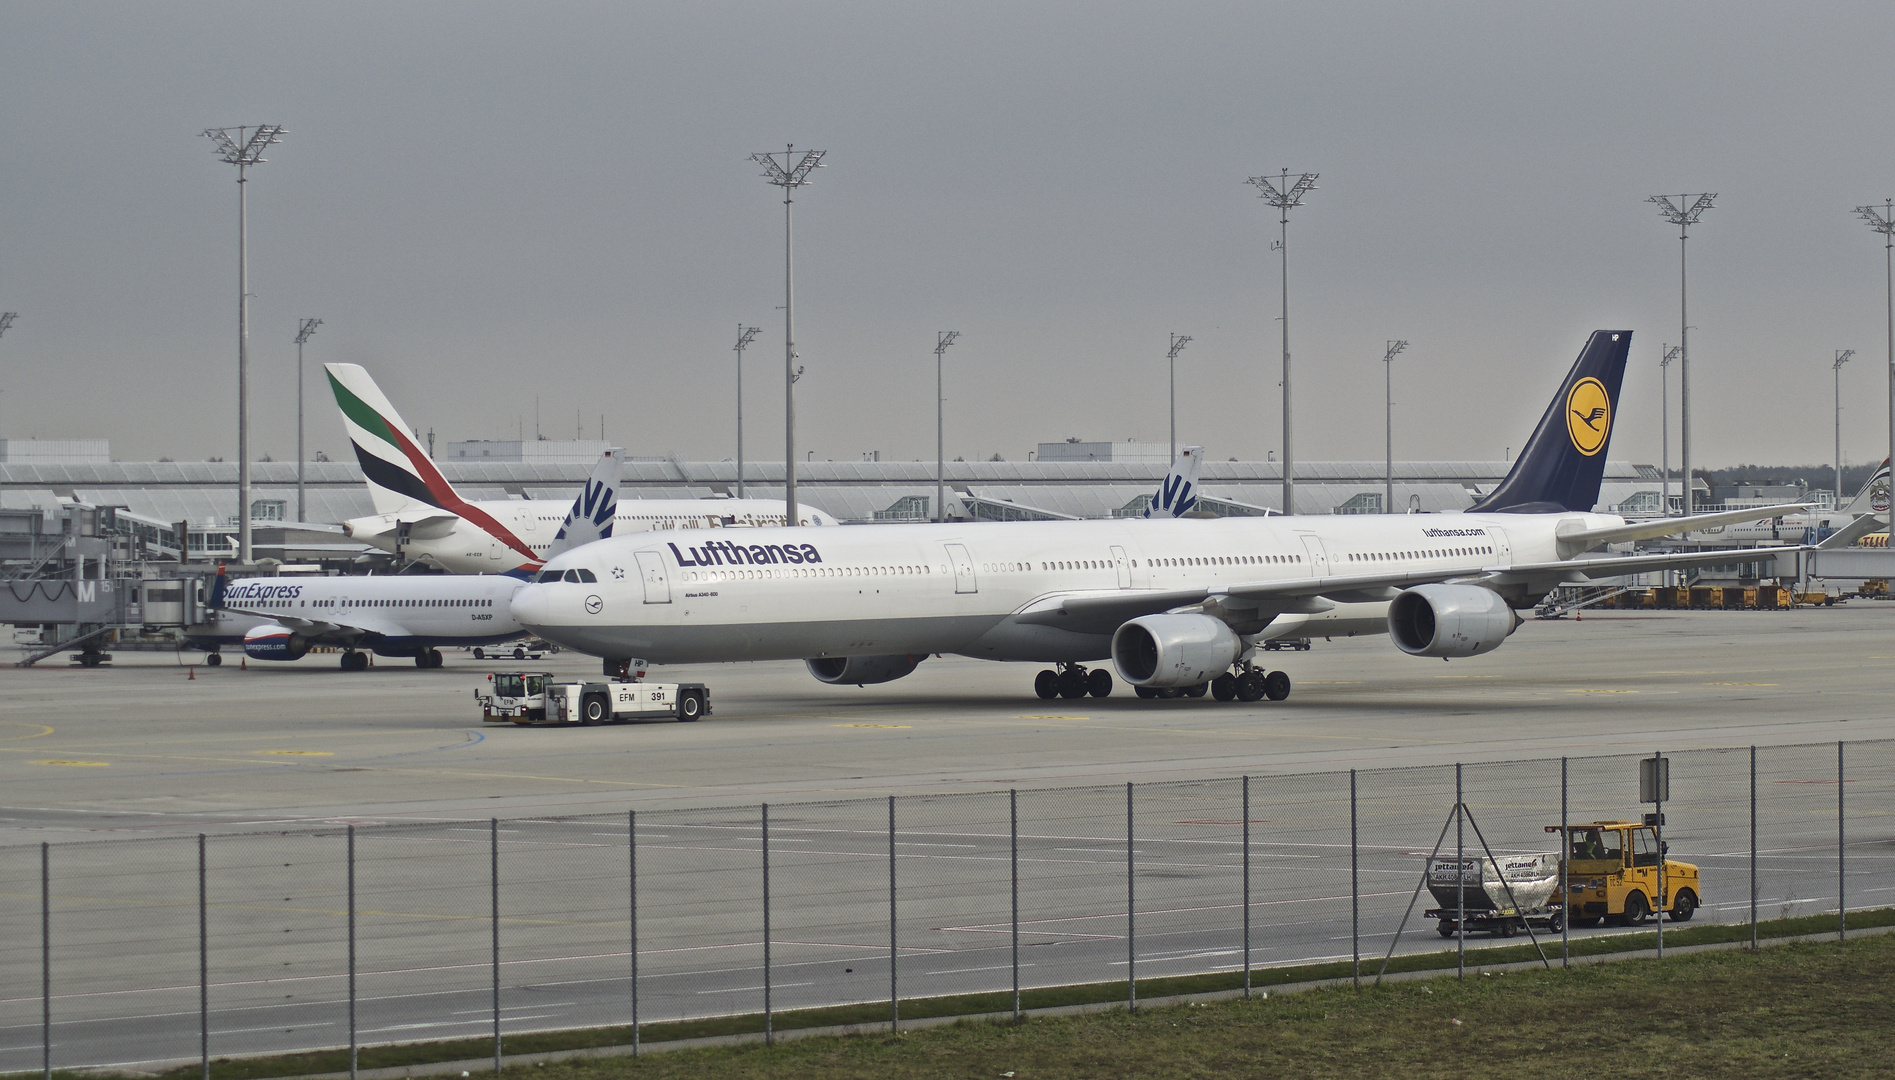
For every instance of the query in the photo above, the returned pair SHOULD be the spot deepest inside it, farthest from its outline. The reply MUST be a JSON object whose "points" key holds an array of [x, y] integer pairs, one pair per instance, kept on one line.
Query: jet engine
{"points": [[862, 670], [1449, 620], [272, 642], [1174, 650]]}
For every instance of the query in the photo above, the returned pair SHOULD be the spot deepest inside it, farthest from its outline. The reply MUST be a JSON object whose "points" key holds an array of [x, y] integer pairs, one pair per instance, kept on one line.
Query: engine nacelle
{"points": [[862, 670], [1449, 620], [272, 642], [1174, 650]]}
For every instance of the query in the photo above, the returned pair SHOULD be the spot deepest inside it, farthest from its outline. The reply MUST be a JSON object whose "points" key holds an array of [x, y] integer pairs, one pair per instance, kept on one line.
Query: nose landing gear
{"points": [[1072, 681]]}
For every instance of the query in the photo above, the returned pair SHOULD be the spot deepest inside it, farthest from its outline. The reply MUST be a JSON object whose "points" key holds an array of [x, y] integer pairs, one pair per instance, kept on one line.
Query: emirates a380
{"points": [[1177, 605]]}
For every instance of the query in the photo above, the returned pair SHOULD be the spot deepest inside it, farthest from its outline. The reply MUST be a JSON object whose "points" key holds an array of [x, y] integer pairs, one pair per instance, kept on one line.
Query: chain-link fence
{"points": [[132, 953]]}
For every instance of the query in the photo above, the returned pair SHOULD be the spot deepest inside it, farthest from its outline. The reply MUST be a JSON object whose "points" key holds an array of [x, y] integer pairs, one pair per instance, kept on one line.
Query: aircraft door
{"points": [[1503, 552], [651, 567], [963, 569], [1123, 565], [1318, 558]]}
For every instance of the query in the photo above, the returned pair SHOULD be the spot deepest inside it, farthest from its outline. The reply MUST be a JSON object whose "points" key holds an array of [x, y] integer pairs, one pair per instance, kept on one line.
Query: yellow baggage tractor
{"points": [[1612, 874]]}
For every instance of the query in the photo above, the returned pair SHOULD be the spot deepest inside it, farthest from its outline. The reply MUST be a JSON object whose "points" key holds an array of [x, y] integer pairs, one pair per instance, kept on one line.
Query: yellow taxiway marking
{"points": [[86, 763], [1467, 676], [875, 725], [44, 729], [1038, 716], [301, 753], [1595, 690], [1740, 684]]}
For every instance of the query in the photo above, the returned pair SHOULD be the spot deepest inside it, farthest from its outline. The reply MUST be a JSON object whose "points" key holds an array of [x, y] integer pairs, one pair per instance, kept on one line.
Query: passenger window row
{"points": [[1433, 553]]}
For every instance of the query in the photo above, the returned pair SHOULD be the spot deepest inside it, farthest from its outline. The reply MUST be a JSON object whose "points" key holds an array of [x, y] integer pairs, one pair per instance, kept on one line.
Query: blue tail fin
{"points": [[1561, 465]]}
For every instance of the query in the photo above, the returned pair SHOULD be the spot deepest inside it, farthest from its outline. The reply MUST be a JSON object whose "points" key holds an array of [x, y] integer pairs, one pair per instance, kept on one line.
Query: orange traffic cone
{"points": [[244, 664], [192, 676]]}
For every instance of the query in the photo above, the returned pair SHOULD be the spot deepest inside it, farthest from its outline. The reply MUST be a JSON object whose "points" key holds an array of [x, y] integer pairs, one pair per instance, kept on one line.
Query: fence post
{"points": [[631, 882], [352, 1036], [46, 960], [1565, 886], [493, 849], [1753, 847], [1355, 894], [1842, 902], [894, 997], [769, 1028], [203, 966], [1460, 882], [1131, 912], [1246, 888], [1013, 857]]}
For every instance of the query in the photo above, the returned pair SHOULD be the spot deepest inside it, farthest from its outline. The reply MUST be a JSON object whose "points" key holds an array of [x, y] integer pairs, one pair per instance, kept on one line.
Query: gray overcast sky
{"points": [[493, 204]]}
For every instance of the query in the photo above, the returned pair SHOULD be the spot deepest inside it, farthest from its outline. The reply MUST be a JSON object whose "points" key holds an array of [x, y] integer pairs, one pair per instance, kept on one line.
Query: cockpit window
{"points": [[587, 575], [549, 575]]}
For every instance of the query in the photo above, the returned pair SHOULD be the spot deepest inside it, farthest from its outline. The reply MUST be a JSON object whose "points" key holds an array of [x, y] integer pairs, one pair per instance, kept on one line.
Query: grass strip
{"points": [[1521, 951]]}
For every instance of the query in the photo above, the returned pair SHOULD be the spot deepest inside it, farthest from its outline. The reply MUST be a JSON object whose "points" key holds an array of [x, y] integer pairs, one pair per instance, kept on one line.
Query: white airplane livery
{"points": [[401, 615], [1179, 606], [420, 515]]}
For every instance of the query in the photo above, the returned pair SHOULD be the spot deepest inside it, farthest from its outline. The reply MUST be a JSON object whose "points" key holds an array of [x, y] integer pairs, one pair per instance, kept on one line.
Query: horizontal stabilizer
{"points": [[1850, 533], [1574, 541]]}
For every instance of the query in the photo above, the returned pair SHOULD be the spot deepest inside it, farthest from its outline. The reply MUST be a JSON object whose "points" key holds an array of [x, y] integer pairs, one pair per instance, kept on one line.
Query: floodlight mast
{"points": [[790, 175], [1684, 213], [1671, 353], [1284, 195], [1882, 220], [745, 335], [6, 320], [304, 332], [243, 151], [942, 339], [1178, 342], [1388, 422], [1842, 357]]}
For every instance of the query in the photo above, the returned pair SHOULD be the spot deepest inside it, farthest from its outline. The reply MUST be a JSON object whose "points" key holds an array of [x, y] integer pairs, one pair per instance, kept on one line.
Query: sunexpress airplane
{"points": [[405, 615], [420, 515], [1178, 605]]}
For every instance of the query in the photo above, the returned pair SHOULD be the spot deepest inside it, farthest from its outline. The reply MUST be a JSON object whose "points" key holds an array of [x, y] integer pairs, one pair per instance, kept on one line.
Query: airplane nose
{"points": [[530, 606]]}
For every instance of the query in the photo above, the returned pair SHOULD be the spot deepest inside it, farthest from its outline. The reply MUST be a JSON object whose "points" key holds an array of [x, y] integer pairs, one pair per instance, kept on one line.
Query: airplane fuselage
{"points": [[705, 596]]}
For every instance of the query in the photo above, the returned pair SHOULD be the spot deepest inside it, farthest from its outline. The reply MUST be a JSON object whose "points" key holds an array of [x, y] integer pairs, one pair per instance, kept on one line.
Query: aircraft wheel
{"points": [[1144, 691], [1072, 683], [1197, 691], [1170, 693], [421, 660], [1224, 687], [214, 660], [1276, 686], [1250, 686], [1099, 682], [1046, 684]]}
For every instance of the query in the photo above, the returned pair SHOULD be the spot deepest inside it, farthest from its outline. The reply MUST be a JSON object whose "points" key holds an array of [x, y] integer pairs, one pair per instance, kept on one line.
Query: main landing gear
{"points": [[428, 658], [1246, 684], [354, 661], [1072, 681]]}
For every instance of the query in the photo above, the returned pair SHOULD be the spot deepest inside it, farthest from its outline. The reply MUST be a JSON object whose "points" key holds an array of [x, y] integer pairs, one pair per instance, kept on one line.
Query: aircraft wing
{"points": [[1548, 574], [1104, 611], [1846, 536], [1578, 540], [323, 629]]}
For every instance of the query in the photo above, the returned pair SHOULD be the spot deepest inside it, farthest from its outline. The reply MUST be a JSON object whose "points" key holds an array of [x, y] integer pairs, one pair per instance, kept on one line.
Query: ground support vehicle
{"points": [[1612, 872], [625, 699], [1300, 644], [517, 697], [1502, 895], [531, 649]]}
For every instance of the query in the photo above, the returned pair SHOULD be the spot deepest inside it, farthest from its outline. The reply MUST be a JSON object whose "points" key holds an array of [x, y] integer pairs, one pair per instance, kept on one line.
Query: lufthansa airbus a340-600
{"points": [[1180, 606]]}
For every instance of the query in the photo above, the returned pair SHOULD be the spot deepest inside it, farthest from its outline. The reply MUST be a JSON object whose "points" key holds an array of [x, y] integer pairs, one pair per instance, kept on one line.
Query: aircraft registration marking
{"points": [[876, 725], [87, 764]]}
